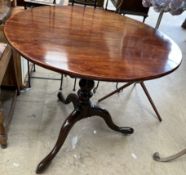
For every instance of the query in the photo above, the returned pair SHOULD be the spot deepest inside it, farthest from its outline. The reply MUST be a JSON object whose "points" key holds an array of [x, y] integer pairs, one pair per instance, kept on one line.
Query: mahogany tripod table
{"points": [[90, 44]]}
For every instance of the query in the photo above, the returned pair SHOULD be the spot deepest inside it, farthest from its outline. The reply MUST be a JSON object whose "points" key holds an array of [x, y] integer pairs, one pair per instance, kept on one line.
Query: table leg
{"points": [[70, 98], [82, 109], [104, 114]]}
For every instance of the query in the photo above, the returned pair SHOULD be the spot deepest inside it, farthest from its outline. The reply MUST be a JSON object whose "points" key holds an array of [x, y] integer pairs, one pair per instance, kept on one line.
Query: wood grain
{"points": [[92, 43]]}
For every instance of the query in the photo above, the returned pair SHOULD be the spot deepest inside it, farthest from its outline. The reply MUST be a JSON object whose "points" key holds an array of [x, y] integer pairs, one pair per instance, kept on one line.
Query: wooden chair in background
{"points": [[9, 81], [131, 7], [7, 68], [36, 3]]}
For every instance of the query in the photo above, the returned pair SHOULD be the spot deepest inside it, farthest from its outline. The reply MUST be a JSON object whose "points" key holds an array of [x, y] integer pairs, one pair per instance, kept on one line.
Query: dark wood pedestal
{"points": [[83, 108]]}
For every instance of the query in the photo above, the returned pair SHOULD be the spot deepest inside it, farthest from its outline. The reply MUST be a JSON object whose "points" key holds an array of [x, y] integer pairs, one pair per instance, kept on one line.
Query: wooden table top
{"points": [[92, 43]]}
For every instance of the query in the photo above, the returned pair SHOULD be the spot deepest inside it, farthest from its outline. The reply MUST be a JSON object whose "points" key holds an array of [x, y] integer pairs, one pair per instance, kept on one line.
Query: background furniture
{"points": [[6, 66], [142, 84], [95, 3], [19, 2], [131, 7], [9, 80], [5, 54], [184, 24], [6, 10], [174, 7], [85, 2], [36, 3]]}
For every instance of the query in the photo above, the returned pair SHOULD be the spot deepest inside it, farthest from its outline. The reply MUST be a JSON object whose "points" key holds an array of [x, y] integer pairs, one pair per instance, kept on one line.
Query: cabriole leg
{"points": [[82, 109]]}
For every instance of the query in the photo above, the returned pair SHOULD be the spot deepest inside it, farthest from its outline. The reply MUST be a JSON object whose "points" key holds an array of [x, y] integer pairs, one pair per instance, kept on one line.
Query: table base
{"points": [[82, 109]]}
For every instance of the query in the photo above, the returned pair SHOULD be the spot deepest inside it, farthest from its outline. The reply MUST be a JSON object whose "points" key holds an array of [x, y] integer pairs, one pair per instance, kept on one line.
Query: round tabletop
{"points": [[92, 43]]}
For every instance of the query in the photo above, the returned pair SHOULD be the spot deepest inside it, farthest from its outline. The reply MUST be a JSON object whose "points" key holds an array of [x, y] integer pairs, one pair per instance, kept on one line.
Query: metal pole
{"points": [[159, 20]]}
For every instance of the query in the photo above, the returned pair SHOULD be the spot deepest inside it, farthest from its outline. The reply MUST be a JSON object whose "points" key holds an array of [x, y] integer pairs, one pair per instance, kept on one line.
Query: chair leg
{"points": [[106, 5], [159, 20], [146, 93], [144, 19], [72, 2], [61, 84], [74, 88], [150, 100], [116, 91], [25, 6], [95, 3], [34, 67], [29, 77], [3, 135], [17, 83], [117, 85]]}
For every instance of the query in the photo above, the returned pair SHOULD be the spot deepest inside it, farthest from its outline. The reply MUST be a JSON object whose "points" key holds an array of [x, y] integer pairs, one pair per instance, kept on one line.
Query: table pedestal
{"points": [[82, 109]]}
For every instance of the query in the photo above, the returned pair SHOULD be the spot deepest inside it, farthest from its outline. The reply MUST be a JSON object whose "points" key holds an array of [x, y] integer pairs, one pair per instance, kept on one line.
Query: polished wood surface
{"points": [[92, 43]]}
